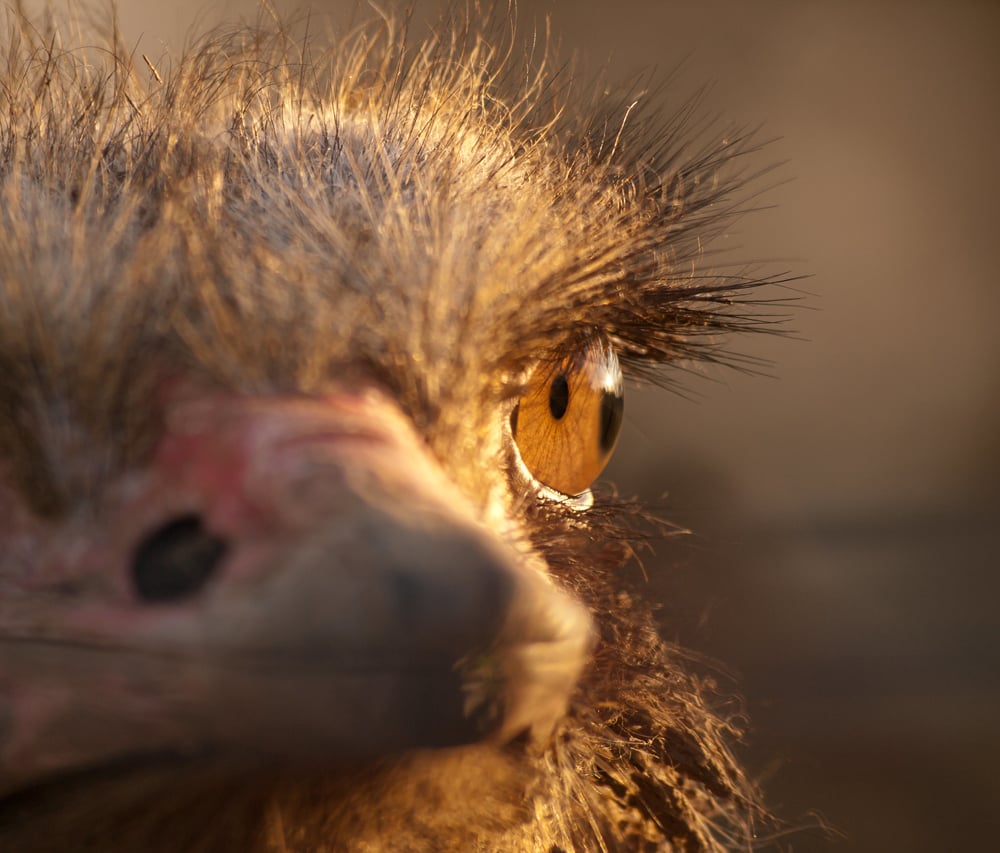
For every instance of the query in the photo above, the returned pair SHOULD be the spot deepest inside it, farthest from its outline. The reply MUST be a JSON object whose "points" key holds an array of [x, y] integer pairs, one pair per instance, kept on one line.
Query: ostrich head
{"points": [[308, 364]]}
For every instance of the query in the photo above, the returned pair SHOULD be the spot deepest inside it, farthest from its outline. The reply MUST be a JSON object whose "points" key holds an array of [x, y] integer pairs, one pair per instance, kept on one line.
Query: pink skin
{"points": [[221, 456], [306, 640]]}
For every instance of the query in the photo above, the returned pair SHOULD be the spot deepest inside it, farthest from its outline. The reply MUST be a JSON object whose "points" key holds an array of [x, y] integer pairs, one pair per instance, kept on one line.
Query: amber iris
{"points": [[566, 423]]}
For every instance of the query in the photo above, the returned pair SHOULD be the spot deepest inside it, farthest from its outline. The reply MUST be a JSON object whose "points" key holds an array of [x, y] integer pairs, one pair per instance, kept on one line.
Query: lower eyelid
{"points": [[580, 503]]}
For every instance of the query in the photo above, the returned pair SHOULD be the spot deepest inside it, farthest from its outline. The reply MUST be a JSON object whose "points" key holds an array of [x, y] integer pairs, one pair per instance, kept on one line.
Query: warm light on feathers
{"points": [[269, 217]]}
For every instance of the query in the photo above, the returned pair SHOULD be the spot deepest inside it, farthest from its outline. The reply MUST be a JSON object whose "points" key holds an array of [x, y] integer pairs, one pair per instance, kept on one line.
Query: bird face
{"points": [[307, 370], [291, 577]]}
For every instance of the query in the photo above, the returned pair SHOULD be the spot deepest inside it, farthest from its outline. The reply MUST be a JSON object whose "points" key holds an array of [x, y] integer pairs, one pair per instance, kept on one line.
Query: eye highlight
{"points": [[566, 423]]}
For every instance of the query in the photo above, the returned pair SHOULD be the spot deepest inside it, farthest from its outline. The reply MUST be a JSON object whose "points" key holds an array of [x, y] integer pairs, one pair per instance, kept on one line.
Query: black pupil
{"points": [[612, 409], [174, 562], [559, 397]]}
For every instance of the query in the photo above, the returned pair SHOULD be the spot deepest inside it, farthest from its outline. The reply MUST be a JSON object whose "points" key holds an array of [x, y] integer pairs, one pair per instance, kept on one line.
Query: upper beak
{"points": [[361, 610]]}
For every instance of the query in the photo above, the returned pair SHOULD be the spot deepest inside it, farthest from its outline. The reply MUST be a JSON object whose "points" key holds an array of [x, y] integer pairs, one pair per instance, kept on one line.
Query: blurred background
{"points": [[845, 506]]}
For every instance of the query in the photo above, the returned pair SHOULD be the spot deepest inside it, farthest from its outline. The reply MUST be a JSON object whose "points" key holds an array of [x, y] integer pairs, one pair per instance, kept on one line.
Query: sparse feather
{"points": [[270, 217]]}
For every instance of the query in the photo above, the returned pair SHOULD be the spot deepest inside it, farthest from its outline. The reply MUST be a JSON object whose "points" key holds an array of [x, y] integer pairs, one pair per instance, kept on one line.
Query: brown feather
{"points": [[268, 216]]}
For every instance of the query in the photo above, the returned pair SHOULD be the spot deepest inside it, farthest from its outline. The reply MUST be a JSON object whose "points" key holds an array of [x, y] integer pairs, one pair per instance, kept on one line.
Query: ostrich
{"points": [[309, 361]]}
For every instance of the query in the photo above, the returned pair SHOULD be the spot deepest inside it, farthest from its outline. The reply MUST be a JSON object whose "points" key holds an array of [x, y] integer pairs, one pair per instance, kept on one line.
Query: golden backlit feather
{"points": [[269, 217]]}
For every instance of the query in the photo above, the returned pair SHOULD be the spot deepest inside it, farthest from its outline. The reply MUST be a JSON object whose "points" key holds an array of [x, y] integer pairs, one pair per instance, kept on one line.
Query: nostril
{"points": [[176, 560]]}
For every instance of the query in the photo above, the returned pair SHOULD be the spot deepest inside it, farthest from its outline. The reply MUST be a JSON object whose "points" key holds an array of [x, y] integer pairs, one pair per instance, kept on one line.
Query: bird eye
{"points": [[567, 421], [175, 561]]}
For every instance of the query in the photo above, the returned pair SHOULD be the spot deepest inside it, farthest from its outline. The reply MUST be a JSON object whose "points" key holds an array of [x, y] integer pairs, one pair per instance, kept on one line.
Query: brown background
{"points": [[845, 563]]}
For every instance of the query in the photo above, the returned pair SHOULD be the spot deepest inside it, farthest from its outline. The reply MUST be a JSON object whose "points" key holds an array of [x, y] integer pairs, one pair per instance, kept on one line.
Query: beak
{"points": [[360, 609]]}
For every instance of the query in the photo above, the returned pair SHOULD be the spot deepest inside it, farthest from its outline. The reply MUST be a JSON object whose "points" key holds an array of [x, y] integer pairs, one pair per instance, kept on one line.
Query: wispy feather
{"points": [[268, 216]]}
